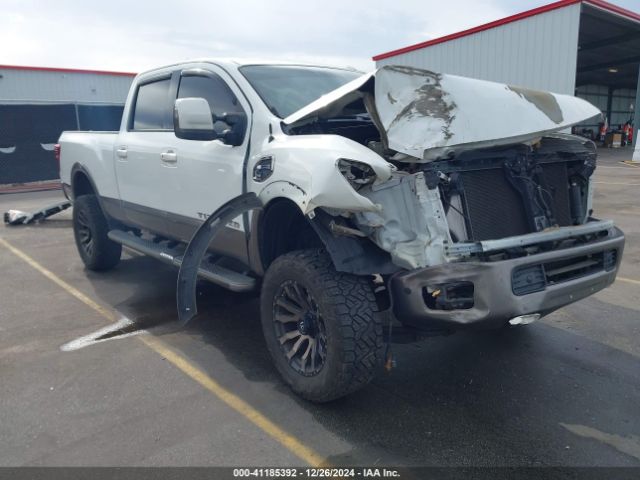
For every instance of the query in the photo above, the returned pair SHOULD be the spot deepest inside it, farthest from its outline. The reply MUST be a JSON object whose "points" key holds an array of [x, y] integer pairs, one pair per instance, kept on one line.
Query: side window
{"points": [[152, 108], [212, 88]]}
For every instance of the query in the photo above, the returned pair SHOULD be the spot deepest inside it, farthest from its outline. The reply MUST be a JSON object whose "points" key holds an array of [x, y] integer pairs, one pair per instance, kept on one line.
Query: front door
{"points": [[171, 185], [207, 173]]}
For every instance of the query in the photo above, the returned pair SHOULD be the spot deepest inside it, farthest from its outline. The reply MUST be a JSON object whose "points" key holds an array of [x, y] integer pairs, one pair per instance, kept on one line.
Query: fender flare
{"points": [[197, 247], [79, 168], [113, 218]]}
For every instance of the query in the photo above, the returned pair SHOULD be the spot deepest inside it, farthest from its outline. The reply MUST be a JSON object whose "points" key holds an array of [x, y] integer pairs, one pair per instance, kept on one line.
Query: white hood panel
{"points": [[427, 115]]}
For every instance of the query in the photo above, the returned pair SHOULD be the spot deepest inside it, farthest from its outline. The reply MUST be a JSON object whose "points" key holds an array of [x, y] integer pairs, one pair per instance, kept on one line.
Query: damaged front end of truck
{"points": [[485, 209]]}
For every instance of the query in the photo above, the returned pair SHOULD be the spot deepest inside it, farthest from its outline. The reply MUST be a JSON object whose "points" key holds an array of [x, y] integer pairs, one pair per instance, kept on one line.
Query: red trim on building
{"points": [[513, 18], [67, 70], [614, 9]]}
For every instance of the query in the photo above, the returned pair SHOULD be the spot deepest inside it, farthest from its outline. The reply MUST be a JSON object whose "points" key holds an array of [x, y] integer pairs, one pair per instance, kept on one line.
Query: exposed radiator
{"points": [[555, 174], [495, 209]]}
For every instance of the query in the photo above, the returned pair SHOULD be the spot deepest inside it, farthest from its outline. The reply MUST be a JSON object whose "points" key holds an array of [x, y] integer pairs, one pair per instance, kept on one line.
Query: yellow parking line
{"points": [[627, 163], [628, 280], [290, 442], [287, 440], [108, 314]]}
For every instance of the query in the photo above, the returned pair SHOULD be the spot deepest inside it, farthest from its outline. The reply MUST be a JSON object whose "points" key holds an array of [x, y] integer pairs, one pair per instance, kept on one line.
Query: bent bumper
{"points": [[506, 289]]}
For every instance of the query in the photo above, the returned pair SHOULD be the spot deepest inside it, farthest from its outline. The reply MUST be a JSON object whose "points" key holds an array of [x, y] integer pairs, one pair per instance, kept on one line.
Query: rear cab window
{"points": [[153, 109]]}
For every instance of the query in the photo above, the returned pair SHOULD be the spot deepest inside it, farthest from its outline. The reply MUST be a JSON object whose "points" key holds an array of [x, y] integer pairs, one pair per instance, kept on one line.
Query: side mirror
{"points": [[192, 119], [237, 123]]}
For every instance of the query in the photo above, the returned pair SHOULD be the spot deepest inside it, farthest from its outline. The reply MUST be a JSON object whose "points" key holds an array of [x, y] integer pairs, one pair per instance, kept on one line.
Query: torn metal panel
{"points": [[351, 254], [411, 224], [429, 115]]}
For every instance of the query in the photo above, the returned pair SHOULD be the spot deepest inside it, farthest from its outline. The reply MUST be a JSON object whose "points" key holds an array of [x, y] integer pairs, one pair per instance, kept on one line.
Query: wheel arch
{"points": [[81, 182], [281, 227], [272, 228]]}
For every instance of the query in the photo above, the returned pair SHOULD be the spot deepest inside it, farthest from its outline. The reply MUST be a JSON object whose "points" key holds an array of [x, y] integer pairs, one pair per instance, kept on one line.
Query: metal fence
{"points": [[29, 132]]}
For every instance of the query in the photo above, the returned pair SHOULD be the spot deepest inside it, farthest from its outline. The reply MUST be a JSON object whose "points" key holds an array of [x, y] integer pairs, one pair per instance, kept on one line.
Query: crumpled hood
{"points": [[428, 115]]}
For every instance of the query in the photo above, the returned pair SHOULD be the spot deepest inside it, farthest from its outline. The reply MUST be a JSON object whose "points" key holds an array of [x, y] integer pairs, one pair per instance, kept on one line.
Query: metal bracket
{"points": [[554, 234]]}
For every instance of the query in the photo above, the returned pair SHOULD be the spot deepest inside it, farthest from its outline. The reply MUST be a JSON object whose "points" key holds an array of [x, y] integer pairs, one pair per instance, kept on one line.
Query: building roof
{"points": [[601, 4], [67, 70]]}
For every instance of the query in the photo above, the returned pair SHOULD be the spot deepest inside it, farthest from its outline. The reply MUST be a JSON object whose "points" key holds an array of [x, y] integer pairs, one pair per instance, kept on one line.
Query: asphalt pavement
{"points": [[564, 391]]}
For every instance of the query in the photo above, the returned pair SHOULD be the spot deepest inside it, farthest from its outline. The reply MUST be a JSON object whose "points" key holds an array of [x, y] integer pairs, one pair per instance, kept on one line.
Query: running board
{"points": [[234, 281]]}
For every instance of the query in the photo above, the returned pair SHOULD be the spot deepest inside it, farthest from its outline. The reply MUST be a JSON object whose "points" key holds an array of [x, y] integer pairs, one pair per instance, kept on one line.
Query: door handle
{"points": [[122, 152], [169, 156]]}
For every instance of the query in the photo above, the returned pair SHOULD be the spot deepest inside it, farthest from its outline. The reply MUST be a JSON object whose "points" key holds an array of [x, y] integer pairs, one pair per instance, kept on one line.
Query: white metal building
{"points": [[37, 104], [588, 48]]}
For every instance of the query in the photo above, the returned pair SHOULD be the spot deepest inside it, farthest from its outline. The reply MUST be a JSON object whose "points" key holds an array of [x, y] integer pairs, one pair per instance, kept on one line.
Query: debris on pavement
{"points": [[17, 217]]}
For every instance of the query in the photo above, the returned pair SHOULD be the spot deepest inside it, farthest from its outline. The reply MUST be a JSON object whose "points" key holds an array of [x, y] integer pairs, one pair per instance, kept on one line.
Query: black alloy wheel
{"points": [[300, 328]]}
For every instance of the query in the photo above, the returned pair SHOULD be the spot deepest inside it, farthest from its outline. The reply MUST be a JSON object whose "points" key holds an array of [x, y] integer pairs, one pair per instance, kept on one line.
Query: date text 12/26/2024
{"points": [[316, 473]]}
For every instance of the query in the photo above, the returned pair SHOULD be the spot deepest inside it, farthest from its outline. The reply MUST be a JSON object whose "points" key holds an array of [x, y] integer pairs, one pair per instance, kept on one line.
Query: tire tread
{"points": [[106, 252], [353, 301]]}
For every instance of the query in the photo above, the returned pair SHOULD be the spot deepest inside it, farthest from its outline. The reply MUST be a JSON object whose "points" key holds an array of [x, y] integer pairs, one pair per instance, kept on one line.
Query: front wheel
{"points": [[320, 326]]}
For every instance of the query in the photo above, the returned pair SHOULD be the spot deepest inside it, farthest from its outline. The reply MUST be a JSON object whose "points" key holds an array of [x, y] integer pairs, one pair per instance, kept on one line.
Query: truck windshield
{"points": [[287, 88]]}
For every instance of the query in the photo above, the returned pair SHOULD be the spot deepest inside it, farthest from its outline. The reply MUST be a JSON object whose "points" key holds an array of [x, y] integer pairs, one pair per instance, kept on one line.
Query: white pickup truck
{"points": [[351, 201]]}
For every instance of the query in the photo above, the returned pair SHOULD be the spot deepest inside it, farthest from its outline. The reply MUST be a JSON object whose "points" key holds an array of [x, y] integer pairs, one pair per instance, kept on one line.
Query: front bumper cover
{"points": [[494, 301]]}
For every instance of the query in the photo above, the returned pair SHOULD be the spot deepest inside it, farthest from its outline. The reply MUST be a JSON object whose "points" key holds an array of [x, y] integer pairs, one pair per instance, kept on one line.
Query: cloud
{"points": [[131, 36]]}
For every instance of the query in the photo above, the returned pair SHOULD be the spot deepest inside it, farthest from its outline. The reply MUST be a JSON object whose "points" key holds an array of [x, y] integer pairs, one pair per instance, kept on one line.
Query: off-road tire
{"points": [[353, 332], [90, 228]]}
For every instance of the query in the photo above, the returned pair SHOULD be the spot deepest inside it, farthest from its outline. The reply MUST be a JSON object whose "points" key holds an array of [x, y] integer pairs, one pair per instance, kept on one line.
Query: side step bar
{"points": [[234, 281]]}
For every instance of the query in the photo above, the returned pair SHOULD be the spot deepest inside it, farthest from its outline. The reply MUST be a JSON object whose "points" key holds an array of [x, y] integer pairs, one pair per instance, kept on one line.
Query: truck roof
{"points": [[240, 62]]}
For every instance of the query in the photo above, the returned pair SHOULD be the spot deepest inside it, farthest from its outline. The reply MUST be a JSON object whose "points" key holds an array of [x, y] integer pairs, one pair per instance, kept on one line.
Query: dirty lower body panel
{"points": [[489, 294]]}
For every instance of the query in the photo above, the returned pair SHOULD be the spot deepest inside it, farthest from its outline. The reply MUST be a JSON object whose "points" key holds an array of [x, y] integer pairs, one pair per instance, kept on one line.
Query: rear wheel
{"points": [[90, 230], [320, 326]]}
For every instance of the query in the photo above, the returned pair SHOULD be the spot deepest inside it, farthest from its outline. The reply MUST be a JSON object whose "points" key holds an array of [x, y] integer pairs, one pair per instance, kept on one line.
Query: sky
{"points": [[133, 36]]}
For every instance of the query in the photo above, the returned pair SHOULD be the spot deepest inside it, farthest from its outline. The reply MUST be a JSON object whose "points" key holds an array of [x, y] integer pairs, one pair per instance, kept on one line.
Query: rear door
{"points": [[142, 174]]}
